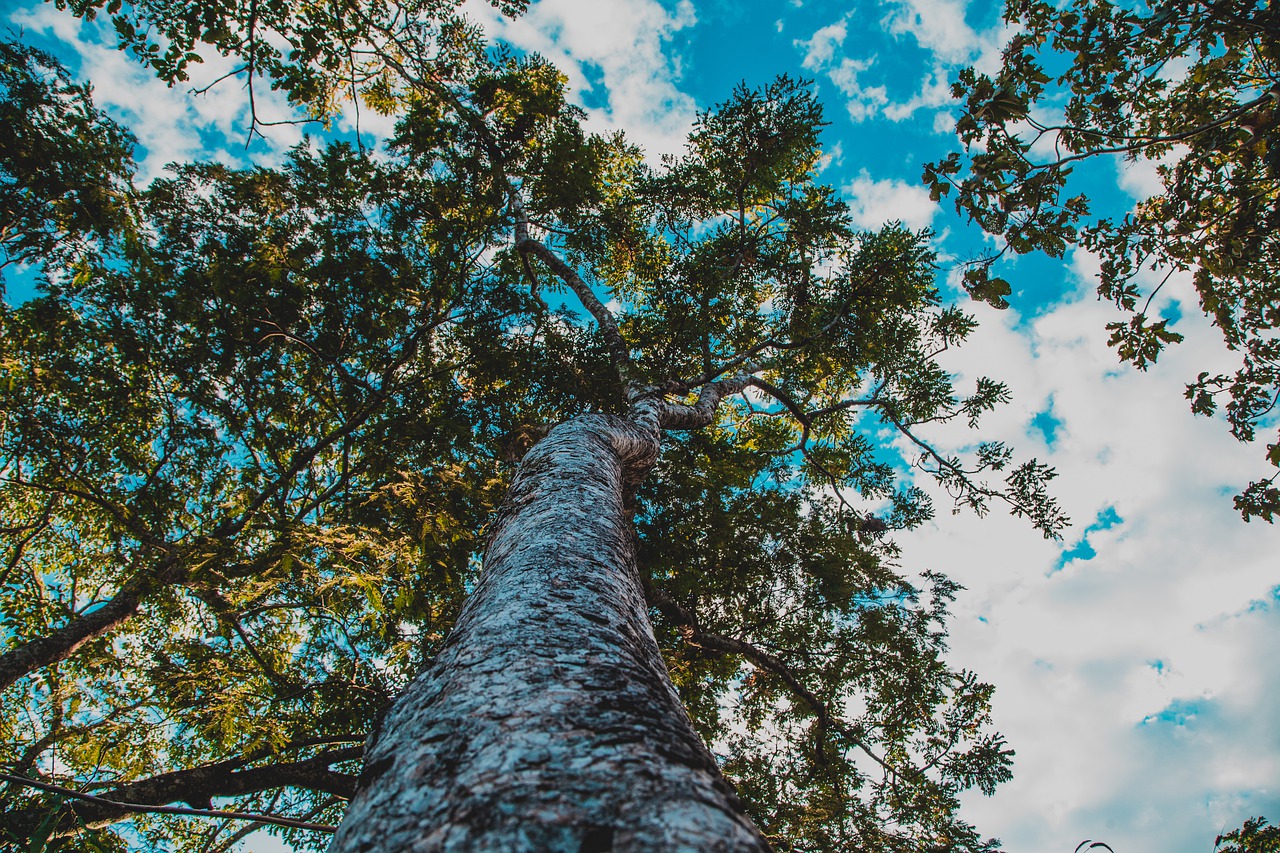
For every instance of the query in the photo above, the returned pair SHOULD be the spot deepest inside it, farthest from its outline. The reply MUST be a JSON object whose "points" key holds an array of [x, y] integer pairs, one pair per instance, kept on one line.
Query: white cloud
{"points": [[832, 156], [1141, 178], [938, 25], [821, 55], [873, 203], [941, 27], [1136, 681], [623, 45], [864, 101], [819, 50], [935, 91], [170, 123]]}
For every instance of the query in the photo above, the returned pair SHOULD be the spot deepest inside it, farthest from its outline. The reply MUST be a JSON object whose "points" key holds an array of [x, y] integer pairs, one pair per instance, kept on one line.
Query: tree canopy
{"points": [[253, 432], [1254, 837], [254, 424], [1190, 86]]}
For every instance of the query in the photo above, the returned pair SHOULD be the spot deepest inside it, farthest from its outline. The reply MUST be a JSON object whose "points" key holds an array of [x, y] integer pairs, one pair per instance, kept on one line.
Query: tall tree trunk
{"points": [[548, 721]]}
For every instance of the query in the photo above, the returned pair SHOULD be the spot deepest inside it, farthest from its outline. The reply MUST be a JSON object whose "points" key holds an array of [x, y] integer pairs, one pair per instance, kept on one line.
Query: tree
{"points": [[66, 167], [1191, 86], [1253, 837], [250, 452]]}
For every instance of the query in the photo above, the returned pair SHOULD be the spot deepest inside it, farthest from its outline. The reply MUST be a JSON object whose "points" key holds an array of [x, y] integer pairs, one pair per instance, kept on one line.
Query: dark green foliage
{"points": [[64, 167], [317, 53], [1254, 837], [1192, 86], [278, 416]]}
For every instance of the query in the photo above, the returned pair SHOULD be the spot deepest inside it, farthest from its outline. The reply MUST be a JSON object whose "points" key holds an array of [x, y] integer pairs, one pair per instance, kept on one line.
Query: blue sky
{"points": [[1134, 661]]}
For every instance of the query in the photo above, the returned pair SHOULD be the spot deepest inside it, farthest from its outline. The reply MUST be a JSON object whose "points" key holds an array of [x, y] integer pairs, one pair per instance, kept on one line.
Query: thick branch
{"points": [[257, 819], [662, 414], [62, 642], [173, 810], [197, 786]]}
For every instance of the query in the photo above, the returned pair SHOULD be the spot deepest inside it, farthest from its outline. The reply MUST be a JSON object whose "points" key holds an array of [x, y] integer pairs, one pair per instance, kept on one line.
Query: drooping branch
{"points": [[197, 787], [694, 635]]}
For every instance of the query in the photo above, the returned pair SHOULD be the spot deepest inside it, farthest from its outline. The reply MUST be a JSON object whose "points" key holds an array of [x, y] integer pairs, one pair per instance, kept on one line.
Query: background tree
{"points": [[64, 167], [250, 452], [1191, 86], [1253, 837]]}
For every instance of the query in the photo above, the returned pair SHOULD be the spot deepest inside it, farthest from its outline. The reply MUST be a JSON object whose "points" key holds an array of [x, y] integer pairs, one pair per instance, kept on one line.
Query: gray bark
{"points": [[548, 721]]}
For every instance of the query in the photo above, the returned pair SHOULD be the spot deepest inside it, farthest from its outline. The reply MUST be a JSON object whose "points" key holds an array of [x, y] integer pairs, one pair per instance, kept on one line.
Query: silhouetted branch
{"points": [[197, 787]]}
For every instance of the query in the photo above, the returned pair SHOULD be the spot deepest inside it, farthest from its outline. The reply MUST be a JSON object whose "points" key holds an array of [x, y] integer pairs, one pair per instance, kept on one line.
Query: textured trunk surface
{"points": [[548, 721]]}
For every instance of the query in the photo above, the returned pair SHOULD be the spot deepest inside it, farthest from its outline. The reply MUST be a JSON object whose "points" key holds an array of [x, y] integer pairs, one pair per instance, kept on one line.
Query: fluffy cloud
{"points": [[821, 47], [1132, 662], [873, 203], [170, 123], [934, 92], [820, 55], [863, 101], [1141, 178], [939, 27], [614, 51]]}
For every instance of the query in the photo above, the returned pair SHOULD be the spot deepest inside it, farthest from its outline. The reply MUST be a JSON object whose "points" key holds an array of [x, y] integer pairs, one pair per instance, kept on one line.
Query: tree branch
{"points": [[650, 409], [61, 643], [196, 786], [131, 808], [526, 245], [1137, 143], [694, 635]]}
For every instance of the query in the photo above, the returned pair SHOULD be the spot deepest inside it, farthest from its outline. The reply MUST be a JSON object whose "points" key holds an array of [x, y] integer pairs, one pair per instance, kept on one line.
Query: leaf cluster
{"points": [[1191, 87], [65, 168], [1253, 837]]}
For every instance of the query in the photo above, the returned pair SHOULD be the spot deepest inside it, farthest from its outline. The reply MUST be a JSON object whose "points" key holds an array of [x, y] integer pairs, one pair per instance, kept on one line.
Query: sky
{"points": [[1134, 661]]}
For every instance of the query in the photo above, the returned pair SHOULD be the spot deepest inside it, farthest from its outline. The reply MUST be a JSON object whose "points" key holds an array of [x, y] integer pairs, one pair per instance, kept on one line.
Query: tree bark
{"points": [[548, 721]]}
